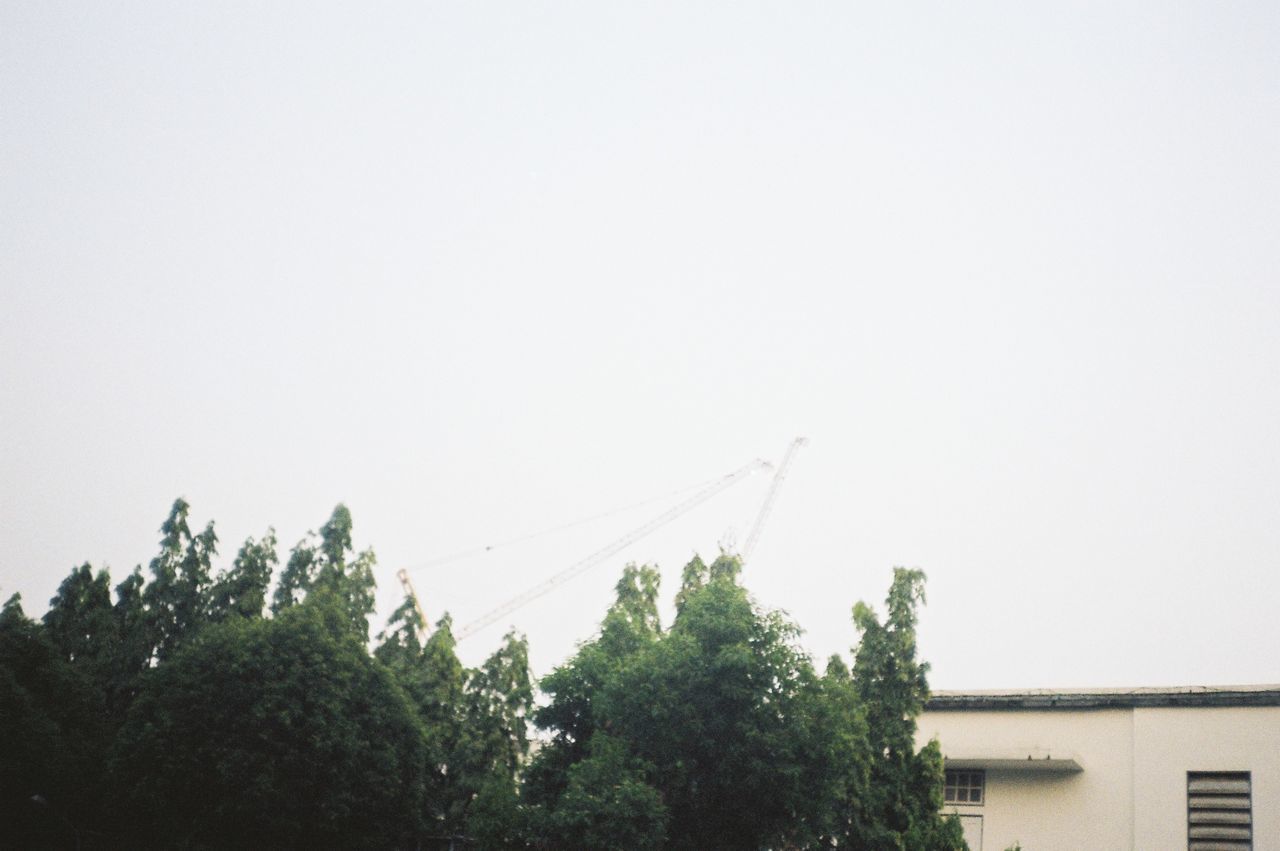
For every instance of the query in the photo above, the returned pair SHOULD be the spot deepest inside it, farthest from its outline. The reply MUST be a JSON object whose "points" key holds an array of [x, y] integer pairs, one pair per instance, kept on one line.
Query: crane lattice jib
{"points": [[767, 506], [417, 605], [617, 546]]}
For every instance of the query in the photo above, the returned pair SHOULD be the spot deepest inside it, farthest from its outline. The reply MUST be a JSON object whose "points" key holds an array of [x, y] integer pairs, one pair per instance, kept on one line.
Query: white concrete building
{"points": [[1110, 769]]}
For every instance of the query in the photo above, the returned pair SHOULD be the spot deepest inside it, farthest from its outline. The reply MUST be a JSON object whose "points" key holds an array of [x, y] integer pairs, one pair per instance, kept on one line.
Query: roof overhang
{"points": [[1029, 761]]}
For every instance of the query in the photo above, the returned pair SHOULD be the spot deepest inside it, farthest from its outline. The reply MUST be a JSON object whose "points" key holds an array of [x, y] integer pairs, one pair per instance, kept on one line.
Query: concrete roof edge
{"points": [[1104, 698]]}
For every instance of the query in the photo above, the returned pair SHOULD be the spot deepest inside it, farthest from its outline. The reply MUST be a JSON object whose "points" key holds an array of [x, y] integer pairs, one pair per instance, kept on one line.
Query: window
{"points": [[963, 787], [1219, 811]]}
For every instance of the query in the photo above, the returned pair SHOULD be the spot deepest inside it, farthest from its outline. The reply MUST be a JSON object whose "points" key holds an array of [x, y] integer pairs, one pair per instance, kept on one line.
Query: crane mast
{"points": [[600, 555], [766, 507], [407, 585]]}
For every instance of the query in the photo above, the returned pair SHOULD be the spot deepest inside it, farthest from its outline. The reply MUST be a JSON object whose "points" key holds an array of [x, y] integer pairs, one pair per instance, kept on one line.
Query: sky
{"points": [[484, 270]]}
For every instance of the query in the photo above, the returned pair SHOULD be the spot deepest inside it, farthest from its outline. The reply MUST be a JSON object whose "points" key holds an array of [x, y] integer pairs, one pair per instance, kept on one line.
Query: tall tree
{"points": [[277, 732], [901, 806], [474, 723], [50, 762], [176, 598], [693, 577], [703, 734], [719, 706], [329, 562], [134, 631], [847, 756], [81, 623], [573, 689], [435, 681], [242, 590], [298, 575], [494, 745], [498, 698]]}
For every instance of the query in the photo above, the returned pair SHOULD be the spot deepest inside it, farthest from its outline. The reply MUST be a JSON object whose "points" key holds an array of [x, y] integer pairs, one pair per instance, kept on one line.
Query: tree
{"points": [[272, 733], [573, 690], [329, 562], [211, 725], [176, 598], [83, 625], [608, 803], [242, 590], [705, 733], [133, 628], [901, 806], [474, 722], [435, 682], [844, 786], [494, 742], [718, 733], [693, 577], [80, 621], [50, 763], [721, 706]]}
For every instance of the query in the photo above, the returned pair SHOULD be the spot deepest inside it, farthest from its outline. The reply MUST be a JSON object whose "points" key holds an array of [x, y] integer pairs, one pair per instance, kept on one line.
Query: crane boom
{"points": [[600, 555], [767, 506], [417, 605]]}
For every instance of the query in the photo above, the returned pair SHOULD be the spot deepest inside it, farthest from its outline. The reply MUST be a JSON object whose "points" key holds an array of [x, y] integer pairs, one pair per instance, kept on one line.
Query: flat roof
{"points": [[1104, 698]]}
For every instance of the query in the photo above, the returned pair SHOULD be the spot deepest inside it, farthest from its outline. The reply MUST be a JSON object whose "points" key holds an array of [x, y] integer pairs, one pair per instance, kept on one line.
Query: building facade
{"points": [[1112, 769]]}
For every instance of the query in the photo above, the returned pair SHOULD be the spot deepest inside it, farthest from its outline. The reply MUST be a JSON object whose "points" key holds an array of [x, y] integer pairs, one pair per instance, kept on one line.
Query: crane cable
{"points": [[473, 552], [599, 556]]}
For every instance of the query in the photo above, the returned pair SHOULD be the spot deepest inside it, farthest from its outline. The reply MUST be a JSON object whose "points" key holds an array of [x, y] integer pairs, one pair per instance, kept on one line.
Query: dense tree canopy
{"points": [[273, 733], [176, 710], [52, 735], [718, 733]]}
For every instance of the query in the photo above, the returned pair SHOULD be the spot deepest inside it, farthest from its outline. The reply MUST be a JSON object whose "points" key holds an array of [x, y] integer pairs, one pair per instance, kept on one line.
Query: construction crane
{"points": [[600, 555], [403, 575], [766, 507]]}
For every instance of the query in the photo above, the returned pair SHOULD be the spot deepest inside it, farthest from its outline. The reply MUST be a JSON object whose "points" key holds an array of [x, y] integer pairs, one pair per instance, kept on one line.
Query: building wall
{"points": [[1043, 810], [1171, 741], [1132, 791]]}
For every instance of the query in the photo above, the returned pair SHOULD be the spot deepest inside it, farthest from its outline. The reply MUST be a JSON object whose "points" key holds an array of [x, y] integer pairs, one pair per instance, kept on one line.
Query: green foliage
{"points": [[52, 733], [225, 699], [693, 577], [630, 626], [135, 648], [328, 562], [242, 590], [719, 706], [900, 807], [175, 599], [711, 734], [434, 680], [718, 733], [80, 621], [297, 577], [607, 803], [273, 733], [498, 698], [213, 724], [474, 723]]}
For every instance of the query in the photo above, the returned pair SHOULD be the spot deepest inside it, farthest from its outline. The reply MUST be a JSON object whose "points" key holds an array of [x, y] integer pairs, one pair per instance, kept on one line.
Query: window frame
{"points": [[976, 781]]}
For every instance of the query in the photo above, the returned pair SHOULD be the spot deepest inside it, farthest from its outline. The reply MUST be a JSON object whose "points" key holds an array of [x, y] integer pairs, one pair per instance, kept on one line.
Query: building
{"points": [[1148, 769]]}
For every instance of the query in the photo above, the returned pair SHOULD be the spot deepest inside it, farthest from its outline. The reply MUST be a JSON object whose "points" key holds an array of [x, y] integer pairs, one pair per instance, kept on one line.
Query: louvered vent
{"points": [[1219, 811]]}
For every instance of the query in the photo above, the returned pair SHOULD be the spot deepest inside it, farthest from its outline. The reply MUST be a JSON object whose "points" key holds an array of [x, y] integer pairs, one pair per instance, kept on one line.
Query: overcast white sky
{"points": [[479, 269]]}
